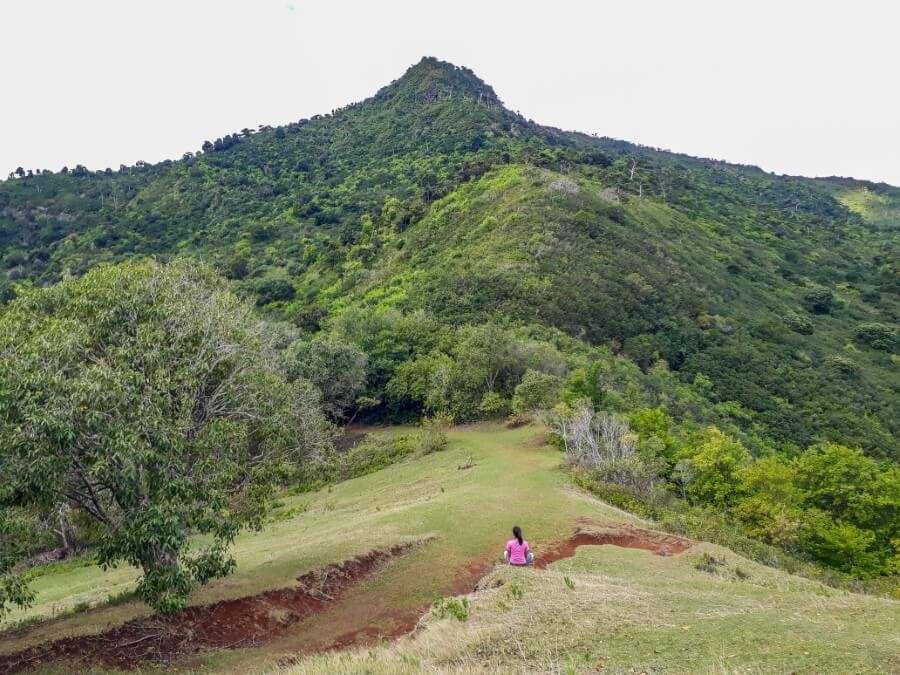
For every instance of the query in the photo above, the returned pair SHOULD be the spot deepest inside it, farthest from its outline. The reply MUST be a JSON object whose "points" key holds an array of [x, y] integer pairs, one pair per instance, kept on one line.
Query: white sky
{"points": [[794, 86]]}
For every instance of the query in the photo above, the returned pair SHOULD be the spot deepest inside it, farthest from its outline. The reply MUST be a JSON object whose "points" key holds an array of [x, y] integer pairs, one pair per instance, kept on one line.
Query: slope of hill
{"points": [[432, 195], [606, 606]]}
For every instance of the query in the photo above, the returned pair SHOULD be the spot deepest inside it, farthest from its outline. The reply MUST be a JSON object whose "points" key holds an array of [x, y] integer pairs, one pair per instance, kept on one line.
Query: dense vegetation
{"points": [[427, 252], [139, 405]]}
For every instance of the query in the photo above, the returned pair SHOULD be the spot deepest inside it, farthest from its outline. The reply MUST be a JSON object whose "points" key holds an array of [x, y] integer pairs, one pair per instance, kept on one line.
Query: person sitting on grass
{"points": [[517, 551]]}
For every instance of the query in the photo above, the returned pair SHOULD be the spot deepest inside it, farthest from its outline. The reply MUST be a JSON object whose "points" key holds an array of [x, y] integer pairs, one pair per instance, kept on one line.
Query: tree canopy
{"points": [[149, 397]]}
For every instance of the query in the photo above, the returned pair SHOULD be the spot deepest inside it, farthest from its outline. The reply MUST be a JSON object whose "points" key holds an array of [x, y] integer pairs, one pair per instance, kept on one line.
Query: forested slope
{"points": [[779, 292]]}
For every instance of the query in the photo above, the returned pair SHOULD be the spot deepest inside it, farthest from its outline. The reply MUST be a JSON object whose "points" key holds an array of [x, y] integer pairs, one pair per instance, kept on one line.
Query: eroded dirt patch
{"points": [[256, 620], [229, 624], [626, 536], [394, 624]]}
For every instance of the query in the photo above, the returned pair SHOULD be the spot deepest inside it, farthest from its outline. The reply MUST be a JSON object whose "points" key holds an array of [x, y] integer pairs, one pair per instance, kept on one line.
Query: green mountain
{"points": [[774, 296]]}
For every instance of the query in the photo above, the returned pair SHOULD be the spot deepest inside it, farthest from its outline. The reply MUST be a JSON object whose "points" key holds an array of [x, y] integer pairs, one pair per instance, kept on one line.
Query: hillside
{"points": [[431, 195], [613, 603]]}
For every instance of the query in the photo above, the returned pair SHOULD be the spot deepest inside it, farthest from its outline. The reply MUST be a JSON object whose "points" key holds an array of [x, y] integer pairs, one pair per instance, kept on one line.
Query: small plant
{"points": [[123, 596], [432, 436], [467, 464], [709, 563], [741, 573], [516, 590], [458, 608], [569, 583], [281, 514], [517, 420]]}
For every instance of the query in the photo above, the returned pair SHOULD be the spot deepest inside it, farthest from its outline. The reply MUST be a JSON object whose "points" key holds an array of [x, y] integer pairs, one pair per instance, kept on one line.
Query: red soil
{"points": [[255, 620], [229, 624], [625, 536]]}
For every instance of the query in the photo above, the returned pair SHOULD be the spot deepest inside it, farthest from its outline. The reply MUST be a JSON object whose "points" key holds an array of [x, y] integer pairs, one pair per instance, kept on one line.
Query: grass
{"points": [[624, 610], [513, 479], [606, 607]]}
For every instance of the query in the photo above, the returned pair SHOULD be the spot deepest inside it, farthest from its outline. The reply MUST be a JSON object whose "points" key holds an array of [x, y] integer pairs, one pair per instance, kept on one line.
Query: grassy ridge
{"points": [[627, 608]]}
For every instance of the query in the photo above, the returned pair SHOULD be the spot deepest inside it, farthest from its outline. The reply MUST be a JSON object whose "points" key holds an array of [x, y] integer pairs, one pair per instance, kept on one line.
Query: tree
{"points": [[149, 398], [335, 367], [844, 482], [274, 288], [536, 391], [13, 589], [716, 461]]}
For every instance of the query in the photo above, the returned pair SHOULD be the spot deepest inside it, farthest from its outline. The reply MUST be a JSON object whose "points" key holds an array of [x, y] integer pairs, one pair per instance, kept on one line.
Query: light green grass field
{"points": [[628, 609]]}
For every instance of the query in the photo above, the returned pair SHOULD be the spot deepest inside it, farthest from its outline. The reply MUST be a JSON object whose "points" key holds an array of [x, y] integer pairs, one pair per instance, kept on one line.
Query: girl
{"points": [[517, 550]]}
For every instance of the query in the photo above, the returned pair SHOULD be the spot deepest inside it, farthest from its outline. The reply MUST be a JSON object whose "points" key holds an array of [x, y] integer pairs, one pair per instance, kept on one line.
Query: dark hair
{"points": [[517, 533]]}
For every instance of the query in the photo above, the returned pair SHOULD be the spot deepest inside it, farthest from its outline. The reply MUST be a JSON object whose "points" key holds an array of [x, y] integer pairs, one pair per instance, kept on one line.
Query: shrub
{"points": [[709, 563], [819, 300], [715, 460], [842, 366], [591, 439], [799, 324], [536, 391], [457, 608], [839, 545], [493, 405], [877, 336], [272, 289], [335, 367], [432, 436], [371, 455]]}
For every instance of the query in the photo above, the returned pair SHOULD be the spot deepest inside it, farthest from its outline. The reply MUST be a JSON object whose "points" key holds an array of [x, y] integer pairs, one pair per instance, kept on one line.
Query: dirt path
{"points": [[256, 620]]}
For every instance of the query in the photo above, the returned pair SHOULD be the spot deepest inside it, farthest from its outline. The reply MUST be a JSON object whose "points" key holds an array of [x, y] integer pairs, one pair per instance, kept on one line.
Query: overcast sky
{"points": [[793, 86]]}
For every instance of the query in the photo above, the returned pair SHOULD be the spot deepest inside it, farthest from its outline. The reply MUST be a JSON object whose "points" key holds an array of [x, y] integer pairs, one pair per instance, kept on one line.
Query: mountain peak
{"points": [[431, 79]]}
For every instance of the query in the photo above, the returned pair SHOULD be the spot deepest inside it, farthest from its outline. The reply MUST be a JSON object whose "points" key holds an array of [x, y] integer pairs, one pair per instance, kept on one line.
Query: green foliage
{"points": [[473, 374], [536, 391], [818, 300], [335, 367], [799, 324], [433, 199], [272, 289], [14, 532], [371, 455], [858, 493], [432, 436], [135, 394], [839, 545], [457, 608], [877, 335], [443, 255], [715, 463]]}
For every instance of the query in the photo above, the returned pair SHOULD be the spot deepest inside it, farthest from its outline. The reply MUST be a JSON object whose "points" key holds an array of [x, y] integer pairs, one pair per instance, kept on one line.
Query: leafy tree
{"points": [[149, 398], [716, 461], [335, 367], [844, 482], [274, 288], [840, 545], [13, 532], [536, 391]]}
